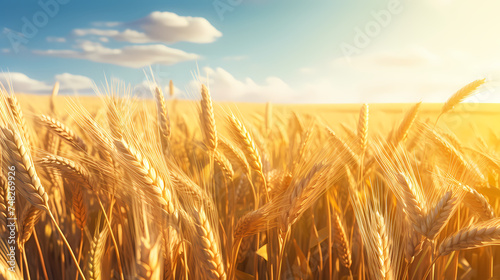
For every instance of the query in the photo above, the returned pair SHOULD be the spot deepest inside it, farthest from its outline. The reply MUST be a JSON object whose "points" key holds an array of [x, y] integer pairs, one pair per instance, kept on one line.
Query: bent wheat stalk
{"points": [[31, 189]]}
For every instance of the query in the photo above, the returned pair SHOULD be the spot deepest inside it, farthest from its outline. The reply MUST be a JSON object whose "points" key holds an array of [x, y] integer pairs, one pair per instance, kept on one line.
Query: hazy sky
{"points": [[320, 51]]}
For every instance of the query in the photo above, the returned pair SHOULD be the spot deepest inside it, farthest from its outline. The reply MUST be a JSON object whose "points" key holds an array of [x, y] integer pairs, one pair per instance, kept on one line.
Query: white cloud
{"points": [[74, 82], [52, 39], [5, 50], [408, 75], [225, 87], [398, 76], [69, 83], [136, 56], [164, 27], [22, 83]]}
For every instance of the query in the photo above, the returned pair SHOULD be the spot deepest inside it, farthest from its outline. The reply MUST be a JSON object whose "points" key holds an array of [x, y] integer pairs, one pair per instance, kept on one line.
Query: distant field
{"points": [[468, 120]]}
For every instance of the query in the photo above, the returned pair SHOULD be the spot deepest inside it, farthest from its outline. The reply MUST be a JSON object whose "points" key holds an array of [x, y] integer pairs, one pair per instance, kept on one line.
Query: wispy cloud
{"points": [[52, 39], [69, 83], [225, 87], [157, 27], [135, 56]]}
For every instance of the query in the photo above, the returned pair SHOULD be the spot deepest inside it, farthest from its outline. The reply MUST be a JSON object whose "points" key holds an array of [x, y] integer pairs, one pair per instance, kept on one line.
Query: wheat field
{"points": [[115, 187]]}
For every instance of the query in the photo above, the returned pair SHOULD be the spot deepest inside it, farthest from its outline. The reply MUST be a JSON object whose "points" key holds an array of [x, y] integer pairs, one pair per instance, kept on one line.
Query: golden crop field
{"points": [[125, 188]]}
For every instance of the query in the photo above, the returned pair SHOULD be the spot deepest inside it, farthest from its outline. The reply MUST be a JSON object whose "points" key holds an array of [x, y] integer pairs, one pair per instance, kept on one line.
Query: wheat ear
{"points": [[404, 127], [70, 169], [224, 165], [63, 131], [364, 115], [460, 95], [475, 236], [464, 166], [341, 242], [18, 116], [55, 91], [97, 250], [382, 249], [247, 145], [79, 208], [208, 246], [439, 216], [29, 220], [345, 150], [32, 188], [171, 88], [142, 171], [478, 203], [207, 118], [114, 119], [413, 206], [163, 118]]}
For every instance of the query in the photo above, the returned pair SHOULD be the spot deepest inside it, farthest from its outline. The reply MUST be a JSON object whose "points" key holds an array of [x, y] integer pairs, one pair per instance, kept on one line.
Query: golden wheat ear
{"points": [[63, 131], [207, 118], [406, 124], [459, 96], [364, 115], [163, 118], [55, 91], [475, 236]]}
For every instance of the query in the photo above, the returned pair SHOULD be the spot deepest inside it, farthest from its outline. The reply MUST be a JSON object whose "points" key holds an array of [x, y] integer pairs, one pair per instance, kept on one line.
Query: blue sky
{"points": [[255, 50]]}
